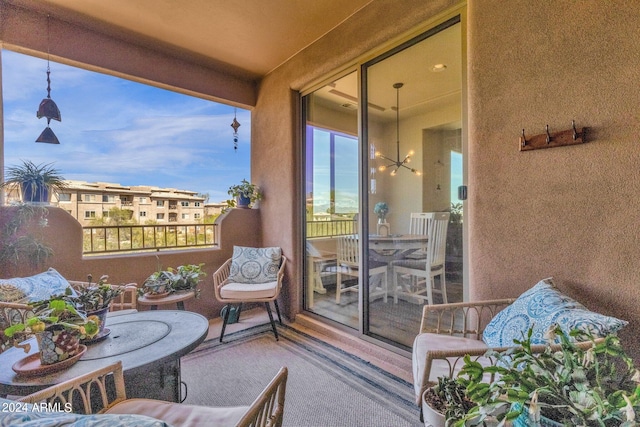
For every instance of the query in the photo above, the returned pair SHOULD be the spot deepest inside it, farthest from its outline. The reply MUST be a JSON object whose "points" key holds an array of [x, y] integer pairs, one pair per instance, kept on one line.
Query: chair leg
{"points": [[338, 286], [273, 324], [275, 302], [443, 286], [225, 319]]}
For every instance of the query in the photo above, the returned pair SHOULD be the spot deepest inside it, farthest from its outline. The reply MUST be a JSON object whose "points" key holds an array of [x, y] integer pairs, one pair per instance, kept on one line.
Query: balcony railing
{"points": [[331, 228], [135, 238]]}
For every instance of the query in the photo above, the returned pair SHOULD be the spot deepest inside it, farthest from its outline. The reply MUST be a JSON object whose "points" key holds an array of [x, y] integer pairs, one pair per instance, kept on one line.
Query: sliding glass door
{"points": [[383, 219]]}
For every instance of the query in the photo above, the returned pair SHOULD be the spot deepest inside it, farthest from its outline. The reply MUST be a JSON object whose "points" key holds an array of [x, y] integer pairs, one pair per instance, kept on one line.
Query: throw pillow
{"points": [[255, 265], [41, 286], [539, 308]]}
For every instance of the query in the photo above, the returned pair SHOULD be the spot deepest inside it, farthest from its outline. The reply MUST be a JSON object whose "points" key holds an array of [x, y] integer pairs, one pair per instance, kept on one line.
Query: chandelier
{"points": [[397, 163]]}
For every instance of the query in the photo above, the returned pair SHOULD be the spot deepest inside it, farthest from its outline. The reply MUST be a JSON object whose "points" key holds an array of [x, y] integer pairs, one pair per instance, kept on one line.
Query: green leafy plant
{"points": [[18, 243], [55, 312], [575, 386], [449, 397], [95, 297], [34, 181], [244, 189], [183, 278]]}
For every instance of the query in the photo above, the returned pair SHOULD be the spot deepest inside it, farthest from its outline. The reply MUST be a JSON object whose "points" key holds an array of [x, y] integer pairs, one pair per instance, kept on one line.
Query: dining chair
{"points": [[419, 224], [348, 264], [251, 275], [423, 271]]}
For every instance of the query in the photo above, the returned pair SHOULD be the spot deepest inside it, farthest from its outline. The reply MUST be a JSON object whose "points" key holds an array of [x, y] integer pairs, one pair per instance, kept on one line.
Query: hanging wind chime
{"points": [[48, 107], [235, 125]]}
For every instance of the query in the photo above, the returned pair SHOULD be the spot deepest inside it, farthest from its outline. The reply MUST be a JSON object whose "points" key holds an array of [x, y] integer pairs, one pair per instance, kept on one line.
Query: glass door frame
{"points": [[360, 65]]}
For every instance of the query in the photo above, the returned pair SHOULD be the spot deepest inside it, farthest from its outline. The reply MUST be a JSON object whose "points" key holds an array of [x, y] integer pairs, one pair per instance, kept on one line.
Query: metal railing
{"points": [[331, 228], [136, 238]]}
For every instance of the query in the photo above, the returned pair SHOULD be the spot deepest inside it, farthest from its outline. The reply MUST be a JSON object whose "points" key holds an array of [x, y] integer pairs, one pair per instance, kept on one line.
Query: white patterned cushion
{"points": [[41, 286], [255, 265], [539, 308]]}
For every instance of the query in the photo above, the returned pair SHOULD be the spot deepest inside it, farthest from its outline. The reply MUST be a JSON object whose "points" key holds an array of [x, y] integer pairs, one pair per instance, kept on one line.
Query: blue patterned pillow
{"points": [[539, 308], [41, 286], [255, 265]]}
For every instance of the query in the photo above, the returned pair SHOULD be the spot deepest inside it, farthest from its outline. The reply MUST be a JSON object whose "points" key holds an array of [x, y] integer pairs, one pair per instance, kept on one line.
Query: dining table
{"points": [[395, 246]]}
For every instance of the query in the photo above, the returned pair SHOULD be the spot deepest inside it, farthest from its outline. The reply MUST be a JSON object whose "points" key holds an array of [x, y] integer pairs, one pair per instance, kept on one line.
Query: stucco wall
{"points": [[565, 212], [275, 120], [63, 234], [571, 212]]}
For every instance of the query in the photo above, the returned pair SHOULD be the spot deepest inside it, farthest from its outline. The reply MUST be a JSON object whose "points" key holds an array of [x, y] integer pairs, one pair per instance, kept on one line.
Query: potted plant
{"points": [[17, 246], [183, 278], [95, 300], [58, 326], [566, 385], [445, 402], [244, 195], [36, 183]]}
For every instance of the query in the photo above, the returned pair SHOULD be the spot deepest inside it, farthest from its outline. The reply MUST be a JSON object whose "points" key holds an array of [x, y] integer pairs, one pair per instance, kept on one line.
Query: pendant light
{"points": [[397, 163]]}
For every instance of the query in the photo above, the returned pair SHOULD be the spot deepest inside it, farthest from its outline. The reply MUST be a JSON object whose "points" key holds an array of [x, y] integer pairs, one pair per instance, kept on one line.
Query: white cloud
{"points": [[114, 130]]}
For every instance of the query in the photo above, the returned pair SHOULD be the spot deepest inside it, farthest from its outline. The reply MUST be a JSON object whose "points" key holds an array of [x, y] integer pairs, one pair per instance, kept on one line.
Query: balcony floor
{"points": [[392, 362]]}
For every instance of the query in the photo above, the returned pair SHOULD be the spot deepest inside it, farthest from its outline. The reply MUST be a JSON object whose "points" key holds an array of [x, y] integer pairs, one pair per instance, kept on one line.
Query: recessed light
{"points": [[438, 68]]}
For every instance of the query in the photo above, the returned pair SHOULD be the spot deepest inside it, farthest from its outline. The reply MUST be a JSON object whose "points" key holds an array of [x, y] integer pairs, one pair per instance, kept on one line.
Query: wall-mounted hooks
{"points": [[557, 139], [548, 134]]}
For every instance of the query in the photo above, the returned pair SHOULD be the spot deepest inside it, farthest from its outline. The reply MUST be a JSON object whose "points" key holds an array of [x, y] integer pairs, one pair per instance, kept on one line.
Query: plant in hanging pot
{"points": [[566, 385], [36, 183], [58, 326], [244, 195]]}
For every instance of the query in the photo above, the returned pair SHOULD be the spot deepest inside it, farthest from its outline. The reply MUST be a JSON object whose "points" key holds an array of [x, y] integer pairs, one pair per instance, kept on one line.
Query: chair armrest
{"points": [[220, 277], [12, 313], [90, 391], [268, 408], [127, 300], [466, 319]]}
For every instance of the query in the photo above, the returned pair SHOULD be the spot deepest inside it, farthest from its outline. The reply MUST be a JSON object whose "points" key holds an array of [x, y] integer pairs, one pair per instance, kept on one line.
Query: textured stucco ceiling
{"points": [[255, 36]]}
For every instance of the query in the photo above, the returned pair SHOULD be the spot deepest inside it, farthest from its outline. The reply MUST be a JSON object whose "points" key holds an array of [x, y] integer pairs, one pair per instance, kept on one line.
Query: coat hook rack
{"points": [[548, 139]]}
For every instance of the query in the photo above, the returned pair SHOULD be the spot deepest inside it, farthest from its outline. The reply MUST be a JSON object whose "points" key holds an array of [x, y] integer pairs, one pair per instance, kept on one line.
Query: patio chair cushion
{"points": [[180, 414], [40, 286], [255, 265], [540, 307], [247, 291]]}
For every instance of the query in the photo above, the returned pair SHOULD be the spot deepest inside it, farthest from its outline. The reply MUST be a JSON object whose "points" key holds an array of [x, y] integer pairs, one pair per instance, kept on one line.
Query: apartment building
{"points": [[87, 201]]}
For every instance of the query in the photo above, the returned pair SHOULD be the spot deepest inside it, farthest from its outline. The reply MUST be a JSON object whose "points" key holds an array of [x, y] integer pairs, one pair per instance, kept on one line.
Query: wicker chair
{"points": [[228, 292], [448, 332], [90, 394], [12, 314]]}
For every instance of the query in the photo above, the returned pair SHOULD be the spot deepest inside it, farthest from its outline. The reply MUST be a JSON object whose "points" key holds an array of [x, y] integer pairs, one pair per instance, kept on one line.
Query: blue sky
{"points": [[115, 130]]}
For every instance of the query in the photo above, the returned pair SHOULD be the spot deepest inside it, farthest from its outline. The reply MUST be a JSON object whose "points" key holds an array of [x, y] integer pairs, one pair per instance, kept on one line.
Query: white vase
{"points": [[432, 418]]}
